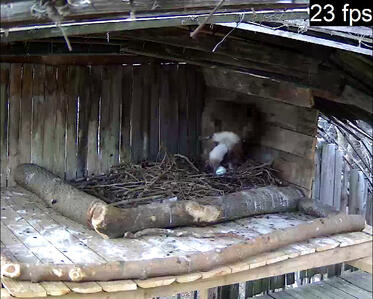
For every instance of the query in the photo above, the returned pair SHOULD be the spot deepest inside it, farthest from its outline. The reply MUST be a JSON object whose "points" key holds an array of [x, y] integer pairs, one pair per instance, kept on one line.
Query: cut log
{"points": [[316, 208], [56, 193], [195, 262], [111, 222]]}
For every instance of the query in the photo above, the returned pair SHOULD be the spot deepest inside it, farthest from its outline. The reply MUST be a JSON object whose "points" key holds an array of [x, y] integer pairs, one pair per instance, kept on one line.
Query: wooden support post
{"points": [[327, 174], [357, 202]]}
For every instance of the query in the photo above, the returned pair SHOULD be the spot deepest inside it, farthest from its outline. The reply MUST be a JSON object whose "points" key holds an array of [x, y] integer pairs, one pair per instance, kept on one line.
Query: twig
{"points": [[198, 29], [219, 43], [187, 159]]}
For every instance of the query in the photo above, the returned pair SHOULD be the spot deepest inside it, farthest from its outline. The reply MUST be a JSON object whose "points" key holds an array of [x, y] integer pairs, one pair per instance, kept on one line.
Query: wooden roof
{"points": [[250, 38]]}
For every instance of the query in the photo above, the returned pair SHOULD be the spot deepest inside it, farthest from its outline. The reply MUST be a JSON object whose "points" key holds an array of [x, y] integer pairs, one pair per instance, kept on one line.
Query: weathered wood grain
{"points": [[4, 99], [83, 116], [127, 89], [60, 128], [14, 118], [154, 77], [51, 101], [137, 140], [26, 114], [327, 174], [71, 122], [38, 112], [93, 120], [258, 86]]}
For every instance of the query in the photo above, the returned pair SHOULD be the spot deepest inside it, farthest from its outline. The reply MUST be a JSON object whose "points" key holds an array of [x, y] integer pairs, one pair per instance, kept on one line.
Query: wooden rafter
{"points": [[121, 23], [19, 12]]}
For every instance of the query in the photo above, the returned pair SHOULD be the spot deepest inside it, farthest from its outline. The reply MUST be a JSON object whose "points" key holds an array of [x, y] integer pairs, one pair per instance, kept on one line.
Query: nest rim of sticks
{"points": [[175, 177]]}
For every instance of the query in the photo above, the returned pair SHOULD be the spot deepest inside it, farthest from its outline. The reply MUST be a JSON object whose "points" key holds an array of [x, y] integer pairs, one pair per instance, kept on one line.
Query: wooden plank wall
{"points": [[80, 120], [284, 134]]}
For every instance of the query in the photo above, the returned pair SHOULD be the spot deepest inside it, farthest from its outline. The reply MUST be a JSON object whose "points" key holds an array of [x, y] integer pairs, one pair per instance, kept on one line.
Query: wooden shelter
{"points": [[86, 85]]}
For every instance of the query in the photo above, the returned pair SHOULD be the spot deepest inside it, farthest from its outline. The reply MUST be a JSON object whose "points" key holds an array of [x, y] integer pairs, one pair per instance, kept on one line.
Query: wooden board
{"points": [[23, 288], [15, 89], [127, 89], [4, 98], [154, 78], [258, 86], [71, 121], [288, 141], [136, 114], [51, 100], [299, 119], [38, 112], [26, 115]]}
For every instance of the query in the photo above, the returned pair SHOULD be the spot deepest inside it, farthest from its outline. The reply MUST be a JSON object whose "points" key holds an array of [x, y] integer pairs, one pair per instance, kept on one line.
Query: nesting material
{"points": [[128, 185]]}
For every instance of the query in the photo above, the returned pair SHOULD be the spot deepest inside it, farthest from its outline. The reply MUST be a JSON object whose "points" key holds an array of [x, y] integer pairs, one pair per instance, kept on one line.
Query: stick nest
{"points": [[128, 185]]}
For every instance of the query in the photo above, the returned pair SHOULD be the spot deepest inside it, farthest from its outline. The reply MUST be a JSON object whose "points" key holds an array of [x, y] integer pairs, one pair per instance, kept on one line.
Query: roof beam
{"points": [[120, 24], [301, 37], [19, 12]]}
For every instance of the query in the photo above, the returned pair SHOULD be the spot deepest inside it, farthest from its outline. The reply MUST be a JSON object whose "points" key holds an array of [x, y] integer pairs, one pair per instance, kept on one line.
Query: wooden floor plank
{"points": [[348, 288], [24, 289], [360, 279], [55, 288], [84, 287], [118, 285]]}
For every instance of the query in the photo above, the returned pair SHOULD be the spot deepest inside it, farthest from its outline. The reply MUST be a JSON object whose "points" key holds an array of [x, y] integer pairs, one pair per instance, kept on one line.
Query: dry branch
{"points": [[195, 262]]}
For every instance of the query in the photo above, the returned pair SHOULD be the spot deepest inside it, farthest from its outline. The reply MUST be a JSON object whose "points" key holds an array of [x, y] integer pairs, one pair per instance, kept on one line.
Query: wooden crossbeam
{"points": [[20, 11], [124, 23]]}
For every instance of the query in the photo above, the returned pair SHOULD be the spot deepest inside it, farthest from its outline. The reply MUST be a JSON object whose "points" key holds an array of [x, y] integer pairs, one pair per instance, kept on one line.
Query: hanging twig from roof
{"points": [[219, 43], [53, 10], [198, 29]]}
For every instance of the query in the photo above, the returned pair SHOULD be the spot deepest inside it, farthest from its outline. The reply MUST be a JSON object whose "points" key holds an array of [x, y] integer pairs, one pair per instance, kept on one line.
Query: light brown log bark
{"points": [[199, 261]]}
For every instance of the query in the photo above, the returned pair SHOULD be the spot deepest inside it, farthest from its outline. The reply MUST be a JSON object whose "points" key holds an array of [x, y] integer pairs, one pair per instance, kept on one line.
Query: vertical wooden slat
{"points": [[51, 99], [93, 120], [183, 110], [173, 114], [338, 179], [127, 80], [317, 176], [327, 174], [26, 115], [84, 110], [357, 202], [145, 117], [38, 113], [368, 215], [136, 114], [200, 96], [192, 112], [4, 97], [71, 119], [154, 111], [344, 187], [115, 114], [60, 129], [14, 118], [164, 110]]}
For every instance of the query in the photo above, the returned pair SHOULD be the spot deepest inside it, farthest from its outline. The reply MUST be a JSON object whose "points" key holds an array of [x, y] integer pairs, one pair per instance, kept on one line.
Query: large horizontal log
{"points": [[64, 198], [111, 222], [199, 261]]}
